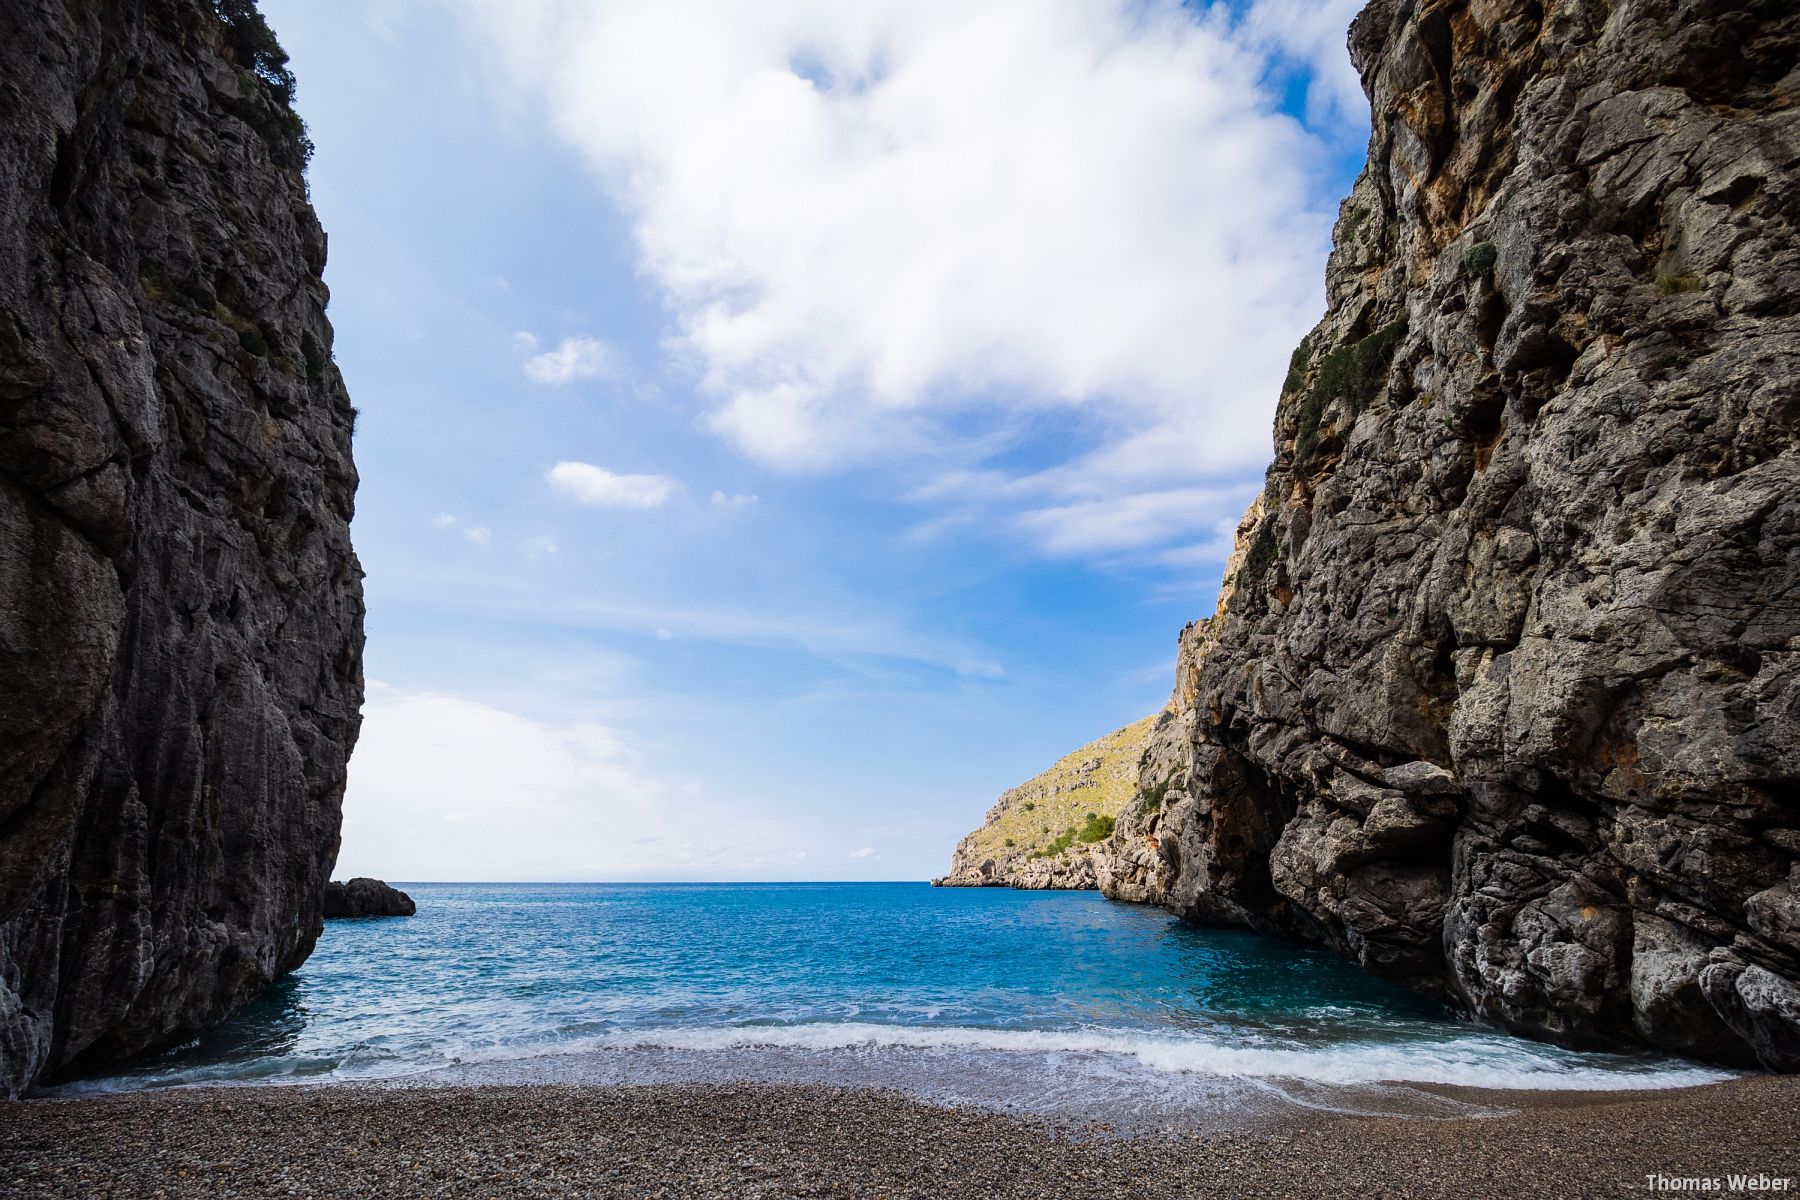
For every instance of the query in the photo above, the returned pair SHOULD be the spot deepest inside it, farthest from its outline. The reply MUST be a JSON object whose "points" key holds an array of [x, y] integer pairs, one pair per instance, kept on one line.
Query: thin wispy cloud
{"points": [[732, 501], [1133, 521], [479, 535], [849, 639], [586, 483], [571, 359]]}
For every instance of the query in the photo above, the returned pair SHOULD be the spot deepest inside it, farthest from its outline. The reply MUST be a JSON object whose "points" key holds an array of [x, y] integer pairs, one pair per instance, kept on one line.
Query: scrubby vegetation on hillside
{"points": [[1076, 800]]}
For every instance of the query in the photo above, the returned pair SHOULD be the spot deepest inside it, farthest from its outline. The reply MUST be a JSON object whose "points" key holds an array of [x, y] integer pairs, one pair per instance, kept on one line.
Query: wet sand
{"points": [[754, 1140]]}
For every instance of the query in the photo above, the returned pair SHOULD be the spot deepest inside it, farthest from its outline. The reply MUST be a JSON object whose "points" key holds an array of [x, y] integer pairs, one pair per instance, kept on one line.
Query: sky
{"points": [[785, 426]]}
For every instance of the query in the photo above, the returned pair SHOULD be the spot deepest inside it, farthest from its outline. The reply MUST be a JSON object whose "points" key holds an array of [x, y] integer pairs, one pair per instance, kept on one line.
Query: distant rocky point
{"points": [[1056, 830], [364, 897]]}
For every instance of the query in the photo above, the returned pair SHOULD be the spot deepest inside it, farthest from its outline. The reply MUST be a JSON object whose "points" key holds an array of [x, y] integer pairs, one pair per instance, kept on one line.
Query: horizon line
{"points": [[652, 882]]}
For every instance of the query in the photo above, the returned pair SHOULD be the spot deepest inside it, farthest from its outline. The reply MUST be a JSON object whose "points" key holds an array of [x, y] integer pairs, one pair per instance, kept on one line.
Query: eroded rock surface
{"points": [[365, 897], [180, 609], [1505, 702]]}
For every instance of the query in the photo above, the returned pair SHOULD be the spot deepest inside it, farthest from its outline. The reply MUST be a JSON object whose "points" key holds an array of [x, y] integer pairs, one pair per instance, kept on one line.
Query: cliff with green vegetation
{"points": [[1056, 830]]}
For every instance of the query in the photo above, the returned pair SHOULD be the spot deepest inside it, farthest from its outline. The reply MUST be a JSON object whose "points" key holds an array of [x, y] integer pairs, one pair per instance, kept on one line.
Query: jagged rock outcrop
{"points": [[365, 897], [1506, 701], [180, 609], [1056, 830]]}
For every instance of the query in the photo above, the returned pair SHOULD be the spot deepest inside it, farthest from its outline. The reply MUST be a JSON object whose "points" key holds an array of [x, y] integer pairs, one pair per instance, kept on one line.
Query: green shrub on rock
{"points": [[1353, 373], [1479, 259], [1097, 829]]}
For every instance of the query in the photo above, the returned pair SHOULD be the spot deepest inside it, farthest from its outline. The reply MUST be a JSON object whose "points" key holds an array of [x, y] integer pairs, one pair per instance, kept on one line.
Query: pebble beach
{"points": [[778, 1141]]}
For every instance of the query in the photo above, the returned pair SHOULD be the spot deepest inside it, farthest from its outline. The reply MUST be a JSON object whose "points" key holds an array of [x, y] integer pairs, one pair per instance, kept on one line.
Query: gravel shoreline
{"points": [[754, 1140]]}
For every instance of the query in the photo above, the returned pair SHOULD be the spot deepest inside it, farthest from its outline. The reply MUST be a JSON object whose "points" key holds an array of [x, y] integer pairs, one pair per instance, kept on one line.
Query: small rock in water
{"points": [[364, 897]]}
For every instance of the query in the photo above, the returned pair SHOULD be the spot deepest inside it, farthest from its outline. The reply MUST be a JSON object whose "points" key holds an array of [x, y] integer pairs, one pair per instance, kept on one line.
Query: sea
{"points": [[1059, 1004]]}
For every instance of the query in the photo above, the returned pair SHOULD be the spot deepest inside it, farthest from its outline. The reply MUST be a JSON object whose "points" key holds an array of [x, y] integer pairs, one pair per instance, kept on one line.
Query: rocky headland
{"points": [[1503, 696], [1056, 829], [180, 608]]}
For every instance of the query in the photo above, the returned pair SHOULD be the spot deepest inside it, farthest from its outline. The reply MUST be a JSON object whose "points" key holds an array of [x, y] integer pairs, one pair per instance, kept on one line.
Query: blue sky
{"points": [[784, 427]]}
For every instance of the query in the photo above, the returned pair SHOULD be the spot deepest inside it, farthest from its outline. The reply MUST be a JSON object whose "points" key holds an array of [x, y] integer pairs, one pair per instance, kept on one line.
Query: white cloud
{"points": [[1313, 35], [479, 534], [587, 484], [834, 635], [541, 547], [574, 358], [916, 228], [443, 787], [733, 501], [1136, 521], [865, 852], [444, 521]]}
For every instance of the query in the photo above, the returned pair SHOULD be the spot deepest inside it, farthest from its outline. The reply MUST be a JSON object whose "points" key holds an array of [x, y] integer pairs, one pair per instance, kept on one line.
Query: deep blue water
{"points": [[1048, 1000]]}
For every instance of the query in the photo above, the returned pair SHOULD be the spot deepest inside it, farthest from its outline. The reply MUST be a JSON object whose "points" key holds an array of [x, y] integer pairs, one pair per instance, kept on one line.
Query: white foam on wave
{"points": [[1475, 1060]]}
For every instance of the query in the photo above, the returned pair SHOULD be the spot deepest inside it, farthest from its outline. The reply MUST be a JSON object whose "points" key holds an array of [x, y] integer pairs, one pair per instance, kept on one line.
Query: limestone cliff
{"points": [[1505, 702], [180, 610], [1056, 829]]}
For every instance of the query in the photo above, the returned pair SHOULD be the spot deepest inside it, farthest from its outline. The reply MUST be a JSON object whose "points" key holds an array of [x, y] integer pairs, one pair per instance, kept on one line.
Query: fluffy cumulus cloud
{"points": [[444, 787], [925, 228], [571, 359], [587, 484]]}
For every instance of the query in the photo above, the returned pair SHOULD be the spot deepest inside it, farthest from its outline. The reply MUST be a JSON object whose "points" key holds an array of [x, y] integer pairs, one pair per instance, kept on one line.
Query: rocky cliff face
{"points": [[180, 610], [1056, 830], [1506, 700]]}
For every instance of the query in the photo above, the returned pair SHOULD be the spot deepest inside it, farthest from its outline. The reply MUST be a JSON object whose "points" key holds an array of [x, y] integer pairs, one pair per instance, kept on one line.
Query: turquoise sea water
{"points": [[1059, 1002]]}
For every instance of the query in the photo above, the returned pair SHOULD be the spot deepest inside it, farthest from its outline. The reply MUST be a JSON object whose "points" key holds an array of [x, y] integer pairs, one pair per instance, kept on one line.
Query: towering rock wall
{"points": [[1505, 702], [180, 610]]}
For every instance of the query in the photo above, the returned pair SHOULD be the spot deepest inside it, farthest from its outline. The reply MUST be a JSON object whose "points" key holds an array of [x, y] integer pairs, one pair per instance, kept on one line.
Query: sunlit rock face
{"points": [[1058, 828], [180, 609], [1504, 697]]}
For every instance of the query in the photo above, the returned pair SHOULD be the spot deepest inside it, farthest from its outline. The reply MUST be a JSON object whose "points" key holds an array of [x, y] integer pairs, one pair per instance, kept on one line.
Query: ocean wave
{"points": [[1475, 1060]]}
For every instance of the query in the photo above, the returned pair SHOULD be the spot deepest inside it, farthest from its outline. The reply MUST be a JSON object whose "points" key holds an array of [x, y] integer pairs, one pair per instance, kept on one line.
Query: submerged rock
{"points": [[1503, 699], [365, 897], [180, 609]]}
